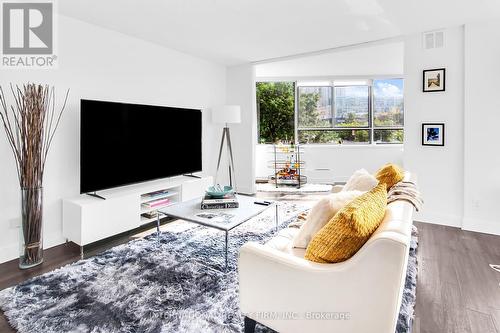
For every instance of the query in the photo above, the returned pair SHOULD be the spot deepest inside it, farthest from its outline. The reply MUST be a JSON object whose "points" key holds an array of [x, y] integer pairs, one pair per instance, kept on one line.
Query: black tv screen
{"points": [[122, 144]]}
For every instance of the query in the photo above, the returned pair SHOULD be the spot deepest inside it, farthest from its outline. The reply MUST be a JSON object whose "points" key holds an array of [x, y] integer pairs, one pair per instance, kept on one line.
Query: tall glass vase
{"points": [[31, 251]]}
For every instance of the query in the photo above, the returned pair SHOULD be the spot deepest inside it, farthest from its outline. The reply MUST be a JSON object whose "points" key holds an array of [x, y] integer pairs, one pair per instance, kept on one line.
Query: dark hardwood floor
{"points": [[55, 257], [457, 291]]}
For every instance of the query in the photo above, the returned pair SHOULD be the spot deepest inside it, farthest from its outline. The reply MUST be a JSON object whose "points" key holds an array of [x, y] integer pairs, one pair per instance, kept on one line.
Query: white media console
{"points": [[88, 219]]}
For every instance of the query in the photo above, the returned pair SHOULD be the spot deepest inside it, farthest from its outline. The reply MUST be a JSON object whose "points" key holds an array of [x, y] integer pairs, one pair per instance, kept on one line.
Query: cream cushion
{"points": [[283, 239], [283, 242], [361, 180], [320, 214], [347, 232]]}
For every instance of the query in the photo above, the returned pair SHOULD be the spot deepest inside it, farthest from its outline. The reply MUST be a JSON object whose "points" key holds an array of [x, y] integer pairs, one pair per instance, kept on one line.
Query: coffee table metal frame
{"points": [[187, 211]]}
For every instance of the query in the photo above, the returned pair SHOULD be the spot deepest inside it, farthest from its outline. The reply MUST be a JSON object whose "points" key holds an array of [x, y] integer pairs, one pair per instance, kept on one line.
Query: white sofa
{"points": [[284, 291]]}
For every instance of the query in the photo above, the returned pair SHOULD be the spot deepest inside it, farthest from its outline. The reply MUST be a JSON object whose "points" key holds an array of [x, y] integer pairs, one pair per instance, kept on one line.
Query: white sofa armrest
{"points": [[290, 294]]}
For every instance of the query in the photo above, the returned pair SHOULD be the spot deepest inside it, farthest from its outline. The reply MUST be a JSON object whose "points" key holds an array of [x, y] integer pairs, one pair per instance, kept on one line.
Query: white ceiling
{"points": [[238, 31]]}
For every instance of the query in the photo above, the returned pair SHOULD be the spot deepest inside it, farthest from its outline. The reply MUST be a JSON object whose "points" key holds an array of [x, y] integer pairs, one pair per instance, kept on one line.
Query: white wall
{"points": [[482, 116], [241, 91], [329, 164], [459, 182], [96, 63], [372, 59], [439, 169]]}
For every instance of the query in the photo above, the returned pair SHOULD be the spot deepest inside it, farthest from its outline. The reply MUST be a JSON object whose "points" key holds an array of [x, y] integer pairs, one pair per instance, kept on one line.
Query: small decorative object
{"points": [[218, 197], [30, 125], [218, 192], [434, 80], [433, 134]]}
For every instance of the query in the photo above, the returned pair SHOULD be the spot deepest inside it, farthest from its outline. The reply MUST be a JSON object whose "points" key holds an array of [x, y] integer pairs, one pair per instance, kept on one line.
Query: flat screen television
{"points": [[123, 144]]}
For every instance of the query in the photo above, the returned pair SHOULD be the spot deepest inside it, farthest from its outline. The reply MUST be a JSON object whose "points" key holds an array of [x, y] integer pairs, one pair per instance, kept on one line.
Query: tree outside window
{"points": [[276, 111]]}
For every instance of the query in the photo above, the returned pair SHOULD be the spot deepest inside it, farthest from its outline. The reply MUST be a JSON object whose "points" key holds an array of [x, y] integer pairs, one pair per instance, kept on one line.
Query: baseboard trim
{"points": [[470, 224], [11, 251], [440, 219], [481, 225]]}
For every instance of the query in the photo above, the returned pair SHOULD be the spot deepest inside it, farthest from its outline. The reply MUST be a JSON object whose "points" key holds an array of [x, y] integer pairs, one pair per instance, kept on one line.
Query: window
{"points": [[315, 107], [332, 112], [352, 106], [321, 121], [276, 111], [388, 111]]}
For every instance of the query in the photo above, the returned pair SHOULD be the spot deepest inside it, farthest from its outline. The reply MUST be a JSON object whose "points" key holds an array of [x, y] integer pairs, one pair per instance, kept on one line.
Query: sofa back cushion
{"points": [[350, 228], [361, 180], [320, 214], [390, 174]]}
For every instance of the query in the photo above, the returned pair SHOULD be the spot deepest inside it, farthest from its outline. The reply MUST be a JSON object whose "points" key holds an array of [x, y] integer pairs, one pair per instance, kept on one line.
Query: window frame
{"points": [[321, 82], [371, 114]]}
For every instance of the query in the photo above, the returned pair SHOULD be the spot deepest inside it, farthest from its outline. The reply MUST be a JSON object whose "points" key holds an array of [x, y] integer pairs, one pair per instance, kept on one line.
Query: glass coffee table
{"points": [[221, 219]]}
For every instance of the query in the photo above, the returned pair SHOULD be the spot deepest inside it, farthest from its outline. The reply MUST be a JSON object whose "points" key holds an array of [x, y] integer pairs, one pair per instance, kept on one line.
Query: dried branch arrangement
{"points": [[30, 125]]}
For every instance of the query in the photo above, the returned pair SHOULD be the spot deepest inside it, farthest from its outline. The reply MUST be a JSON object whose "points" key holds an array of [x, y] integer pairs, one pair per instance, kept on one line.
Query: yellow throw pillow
{"points": [[350, 228], [390, 174]]}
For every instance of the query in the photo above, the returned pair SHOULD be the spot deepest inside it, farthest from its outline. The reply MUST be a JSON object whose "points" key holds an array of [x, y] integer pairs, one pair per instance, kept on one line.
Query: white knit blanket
{"points": [[406, 191]]}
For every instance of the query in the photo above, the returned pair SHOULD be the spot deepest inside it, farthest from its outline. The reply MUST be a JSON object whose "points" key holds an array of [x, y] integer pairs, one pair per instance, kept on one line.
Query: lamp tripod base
{"points": [[226, 138]]}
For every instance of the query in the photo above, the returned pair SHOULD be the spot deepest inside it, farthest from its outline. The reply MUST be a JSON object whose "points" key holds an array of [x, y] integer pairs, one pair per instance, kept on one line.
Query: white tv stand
{"points": [[88, 219]]}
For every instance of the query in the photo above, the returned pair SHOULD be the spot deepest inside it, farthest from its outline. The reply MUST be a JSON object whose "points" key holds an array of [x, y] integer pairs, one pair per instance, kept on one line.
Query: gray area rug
{"points": [[165, 283]]}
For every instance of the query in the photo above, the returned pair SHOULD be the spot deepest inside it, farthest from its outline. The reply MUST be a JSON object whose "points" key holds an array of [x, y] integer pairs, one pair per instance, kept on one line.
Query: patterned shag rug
{"points": [[165, 283]]}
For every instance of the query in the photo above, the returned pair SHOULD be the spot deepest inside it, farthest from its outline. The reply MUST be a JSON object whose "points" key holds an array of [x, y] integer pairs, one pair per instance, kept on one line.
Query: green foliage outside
{"points": [[309, 115], [393, 117], [389, 136], [276, 111], [335, 136], [351, 121]]}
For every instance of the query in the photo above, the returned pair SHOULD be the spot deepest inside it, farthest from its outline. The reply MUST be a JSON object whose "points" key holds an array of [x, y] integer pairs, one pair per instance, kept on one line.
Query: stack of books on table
{"points": [[229, 201]]}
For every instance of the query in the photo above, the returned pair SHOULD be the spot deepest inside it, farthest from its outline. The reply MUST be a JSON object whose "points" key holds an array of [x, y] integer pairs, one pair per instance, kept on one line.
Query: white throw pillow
{"points": [[320, 214], [361, 180]]}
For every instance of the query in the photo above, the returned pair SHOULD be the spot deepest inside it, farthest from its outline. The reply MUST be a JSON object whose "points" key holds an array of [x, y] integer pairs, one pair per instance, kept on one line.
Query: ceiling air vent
{"points": [[433, 39]]}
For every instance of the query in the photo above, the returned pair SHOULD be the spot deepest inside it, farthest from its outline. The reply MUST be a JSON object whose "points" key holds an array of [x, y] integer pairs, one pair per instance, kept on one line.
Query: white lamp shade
{"points": [[227, 114]]}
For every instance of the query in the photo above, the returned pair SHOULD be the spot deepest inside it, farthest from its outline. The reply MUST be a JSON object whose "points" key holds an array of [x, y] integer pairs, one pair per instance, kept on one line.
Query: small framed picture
{"points": [[434, 80], [433, 134]]}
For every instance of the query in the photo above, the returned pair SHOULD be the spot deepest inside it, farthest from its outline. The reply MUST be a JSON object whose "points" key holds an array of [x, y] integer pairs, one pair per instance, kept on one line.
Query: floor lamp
{"points": [[227, 114]]}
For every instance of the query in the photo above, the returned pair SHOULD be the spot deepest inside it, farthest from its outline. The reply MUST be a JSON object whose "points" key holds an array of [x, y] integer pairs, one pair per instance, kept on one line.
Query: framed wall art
{"points": [[434, 80], [433, 134]]}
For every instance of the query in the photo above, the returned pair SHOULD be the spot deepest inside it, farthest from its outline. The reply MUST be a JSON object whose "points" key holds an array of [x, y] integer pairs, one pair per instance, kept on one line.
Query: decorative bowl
{"points": [[219, 192]]}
